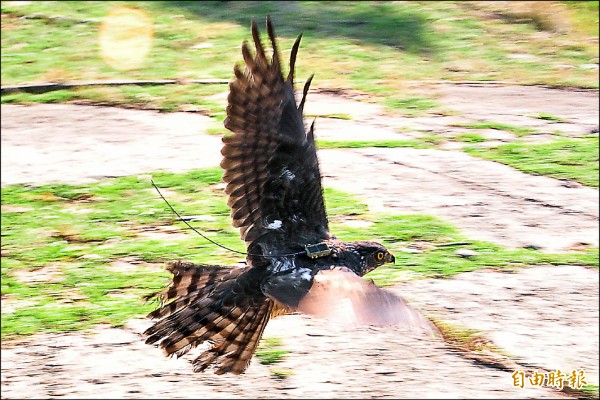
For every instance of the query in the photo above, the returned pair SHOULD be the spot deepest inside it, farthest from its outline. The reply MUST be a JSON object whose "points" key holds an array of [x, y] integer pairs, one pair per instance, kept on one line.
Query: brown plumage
{"points": [[274, 191], [213, 303]]}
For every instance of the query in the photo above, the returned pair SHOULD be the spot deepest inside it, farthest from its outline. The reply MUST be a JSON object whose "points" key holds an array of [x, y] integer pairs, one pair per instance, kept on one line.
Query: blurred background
{"points": [[377, 47]]}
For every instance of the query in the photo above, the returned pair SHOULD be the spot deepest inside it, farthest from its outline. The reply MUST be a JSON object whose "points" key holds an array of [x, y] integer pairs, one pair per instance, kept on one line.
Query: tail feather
{"points": [[212, 324], [188, 279], [252, 337], [237, 348], [220, 305]]}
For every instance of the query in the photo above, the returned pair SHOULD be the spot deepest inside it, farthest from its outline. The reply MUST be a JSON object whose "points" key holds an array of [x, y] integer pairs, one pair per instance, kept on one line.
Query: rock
{"points": [[466, 253]]}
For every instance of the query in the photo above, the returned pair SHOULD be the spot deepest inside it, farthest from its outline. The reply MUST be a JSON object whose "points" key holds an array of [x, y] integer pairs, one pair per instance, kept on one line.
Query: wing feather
{"points": [[341, 296], [271, 168]]}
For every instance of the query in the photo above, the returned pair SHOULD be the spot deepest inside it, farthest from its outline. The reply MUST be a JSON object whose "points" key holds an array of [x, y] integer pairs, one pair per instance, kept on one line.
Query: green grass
{"points": [[358, 144], [280, 373], [439, 258], [470, 138], [79, 232], [563, 158], [517, 130], [162, 98], [590, 391], [584, 16], [464, 339], [270, 351], [411, 106], [432, 139], [550, 117], [346, 117], [378, 48]]}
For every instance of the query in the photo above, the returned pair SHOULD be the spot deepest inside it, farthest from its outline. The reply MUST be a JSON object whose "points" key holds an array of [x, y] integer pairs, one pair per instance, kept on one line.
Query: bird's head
{"points": [[371, 255]]}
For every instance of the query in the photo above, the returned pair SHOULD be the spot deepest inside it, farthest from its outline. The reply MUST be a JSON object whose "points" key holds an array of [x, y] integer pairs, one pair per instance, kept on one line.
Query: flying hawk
{"points": [[293, 262]]}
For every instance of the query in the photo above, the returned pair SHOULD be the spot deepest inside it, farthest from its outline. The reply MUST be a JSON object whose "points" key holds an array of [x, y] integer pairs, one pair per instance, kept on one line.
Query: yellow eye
{"points": [[379, 256]]}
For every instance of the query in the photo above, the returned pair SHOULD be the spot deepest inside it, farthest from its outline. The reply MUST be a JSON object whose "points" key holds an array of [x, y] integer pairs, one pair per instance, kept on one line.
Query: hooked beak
{"points": [[390, 258]]}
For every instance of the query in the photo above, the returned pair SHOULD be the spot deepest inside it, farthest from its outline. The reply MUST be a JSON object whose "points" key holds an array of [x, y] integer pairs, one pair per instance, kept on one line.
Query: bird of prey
{"points": [[293, 263]]}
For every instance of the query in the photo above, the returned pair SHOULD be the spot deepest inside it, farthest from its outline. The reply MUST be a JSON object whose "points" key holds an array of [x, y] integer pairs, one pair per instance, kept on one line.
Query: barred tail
{"points": [[217, 304]]}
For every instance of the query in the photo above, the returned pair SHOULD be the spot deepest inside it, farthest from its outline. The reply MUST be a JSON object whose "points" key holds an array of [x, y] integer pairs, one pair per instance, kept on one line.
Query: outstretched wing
{"points": [[270, 162], [340, 295]]}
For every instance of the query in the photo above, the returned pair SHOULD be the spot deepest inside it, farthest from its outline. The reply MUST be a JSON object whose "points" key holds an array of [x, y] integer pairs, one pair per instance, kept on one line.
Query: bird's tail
{"points": [[221, 305]]}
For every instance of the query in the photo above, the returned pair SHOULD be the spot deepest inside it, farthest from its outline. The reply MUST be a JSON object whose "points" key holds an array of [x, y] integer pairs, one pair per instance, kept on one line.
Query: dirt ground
{"points": [[544, 317]]}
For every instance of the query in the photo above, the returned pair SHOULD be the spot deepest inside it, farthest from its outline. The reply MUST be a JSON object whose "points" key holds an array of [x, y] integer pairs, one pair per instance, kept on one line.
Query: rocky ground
{"points": [[544, 317]]}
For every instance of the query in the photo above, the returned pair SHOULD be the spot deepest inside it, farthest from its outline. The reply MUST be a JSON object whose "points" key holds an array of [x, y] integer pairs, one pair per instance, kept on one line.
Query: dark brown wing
{"points": [[270, 162], [341, 296]]}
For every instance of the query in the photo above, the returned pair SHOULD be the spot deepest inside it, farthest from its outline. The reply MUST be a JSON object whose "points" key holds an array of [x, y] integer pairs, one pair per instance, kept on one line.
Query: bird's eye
{"points": [[379, 256]]}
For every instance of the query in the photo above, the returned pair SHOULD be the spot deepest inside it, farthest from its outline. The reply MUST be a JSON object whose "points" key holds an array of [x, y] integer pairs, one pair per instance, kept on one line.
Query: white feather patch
{"points": [[289, 175], [274, 225]]}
